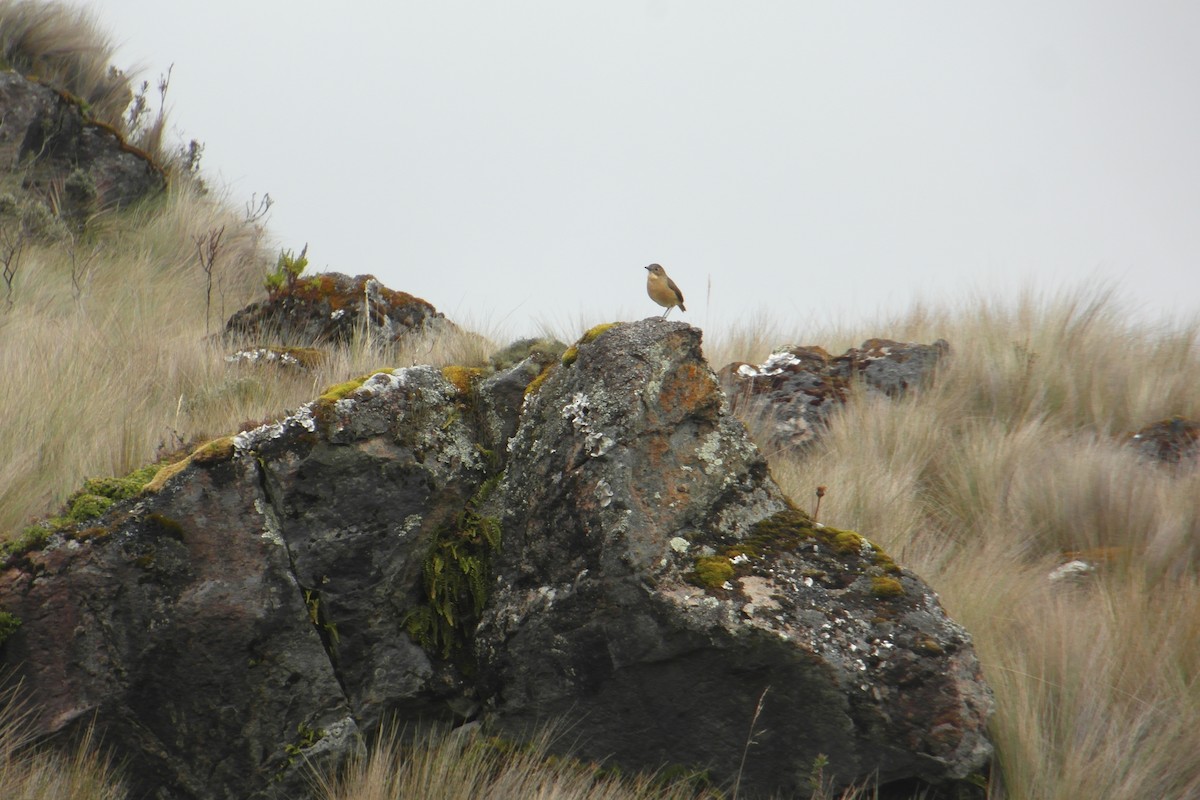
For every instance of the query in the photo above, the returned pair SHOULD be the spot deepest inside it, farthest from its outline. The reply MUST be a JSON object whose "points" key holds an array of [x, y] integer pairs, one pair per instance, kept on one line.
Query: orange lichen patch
{"points": [[326, 287], [689, 388], [461, 377], [321, 287]]}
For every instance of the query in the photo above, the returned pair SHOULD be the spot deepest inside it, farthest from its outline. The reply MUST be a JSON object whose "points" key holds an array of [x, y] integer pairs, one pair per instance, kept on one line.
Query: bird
{"points": [[663, 290]]}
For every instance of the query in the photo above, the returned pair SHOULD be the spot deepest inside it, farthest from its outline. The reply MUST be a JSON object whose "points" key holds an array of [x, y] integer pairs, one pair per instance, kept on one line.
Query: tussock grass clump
{"points": [[460, 764], [31, 772]]}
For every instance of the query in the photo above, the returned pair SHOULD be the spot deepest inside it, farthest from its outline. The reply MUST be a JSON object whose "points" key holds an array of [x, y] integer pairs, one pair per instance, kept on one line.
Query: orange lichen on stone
{"points": [[689, 388]]}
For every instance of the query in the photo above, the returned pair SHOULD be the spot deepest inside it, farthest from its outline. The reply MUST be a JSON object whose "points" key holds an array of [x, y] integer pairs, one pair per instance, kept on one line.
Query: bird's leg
{"points": [[668, 311]]}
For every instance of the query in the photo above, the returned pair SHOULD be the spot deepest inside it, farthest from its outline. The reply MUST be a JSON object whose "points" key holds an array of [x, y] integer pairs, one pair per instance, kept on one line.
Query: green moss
{"points": [[339, 390], [211, 452], [456, 577], [885, 587], [571, 353], [712, 571], [32, 538], [537, 382], [87, 506], [309, 357], [780, 532], [8, 625], [164, 474], [593, 333], [847, 542]]}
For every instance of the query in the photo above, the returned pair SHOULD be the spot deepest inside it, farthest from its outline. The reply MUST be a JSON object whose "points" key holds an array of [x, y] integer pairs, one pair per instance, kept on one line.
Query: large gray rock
{"points": [[596, 540], [655, 585]]}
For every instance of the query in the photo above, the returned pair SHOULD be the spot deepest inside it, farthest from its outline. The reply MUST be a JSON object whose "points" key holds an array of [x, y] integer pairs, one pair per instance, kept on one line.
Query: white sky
{"points": [[518, 163]]}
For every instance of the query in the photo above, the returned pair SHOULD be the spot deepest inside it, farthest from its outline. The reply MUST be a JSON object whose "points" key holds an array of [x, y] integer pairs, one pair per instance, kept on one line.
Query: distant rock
{"points": [[792, 394], [589, 536], [1171, 441], [46, 136], [330, 308]]}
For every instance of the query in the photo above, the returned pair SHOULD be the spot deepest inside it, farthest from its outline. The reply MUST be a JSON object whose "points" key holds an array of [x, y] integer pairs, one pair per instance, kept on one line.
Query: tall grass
{"points": [[30, 772], [462, 764]]}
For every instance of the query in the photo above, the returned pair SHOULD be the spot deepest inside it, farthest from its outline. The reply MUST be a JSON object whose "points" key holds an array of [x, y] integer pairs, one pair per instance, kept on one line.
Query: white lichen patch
{"points": [[680, 544], [247, 441], [263, 355], [604, 493], [709, 452], [774, 365], [271, 530], [596, 443]]}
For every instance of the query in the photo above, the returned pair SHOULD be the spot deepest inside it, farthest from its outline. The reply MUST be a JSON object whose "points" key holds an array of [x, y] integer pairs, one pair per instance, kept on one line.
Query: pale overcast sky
{"points": [[519, 163]]}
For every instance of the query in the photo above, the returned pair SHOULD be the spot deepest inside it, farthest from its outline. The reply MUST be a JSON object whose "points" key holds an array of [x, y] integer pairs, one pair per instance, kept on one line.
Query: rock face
{"points": [[795, 390], [47, 136], [328, 308], [421, 545]]}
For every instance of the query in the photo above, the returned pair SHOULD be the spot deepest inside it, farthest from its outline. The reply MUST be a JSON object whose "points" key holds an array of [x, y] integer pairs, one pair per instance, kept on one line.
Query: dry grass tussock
{"points": [[30, 772], [463, 764], [980, 484]]}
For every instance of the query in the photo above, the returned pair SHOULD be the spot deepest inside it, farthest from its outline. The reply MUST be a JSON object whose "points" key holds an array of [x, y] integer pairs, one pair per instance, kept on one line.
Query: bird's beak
{"points": [[647, 268]]}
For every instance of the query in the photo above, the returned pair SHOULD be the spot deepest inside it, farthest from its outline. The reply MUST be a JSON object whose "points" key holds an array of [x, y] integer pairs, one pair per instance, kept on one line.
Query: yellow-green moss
{"points": [[165, 474], [87, 506], [456, 578], [339, 390], [782, 531], [217, 450], [537, 382], [309, 357], [713, 571], [847, 542], [885, 587], [8, 625], [463, 378], [593, 333]]}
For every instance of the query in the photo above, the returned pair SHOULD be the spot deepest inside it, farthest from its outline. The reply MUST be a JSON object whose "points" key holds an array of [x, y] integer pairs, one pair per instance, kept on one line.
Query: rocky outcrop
{"points": [[330, 308], [591, 538], [791, 395], [82, 165]]}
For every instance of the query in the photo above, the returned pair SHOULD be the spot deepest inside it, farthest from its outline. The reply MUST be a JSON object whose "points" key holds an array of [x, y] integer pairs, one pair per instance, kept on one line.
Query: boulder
{"points": [[49, 139], [330, 308], [658, 589], [790, 396], [592, 539]]}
